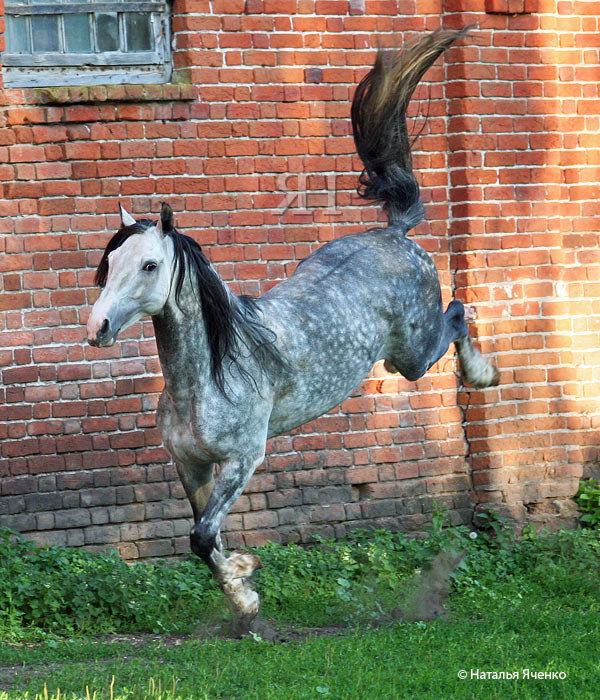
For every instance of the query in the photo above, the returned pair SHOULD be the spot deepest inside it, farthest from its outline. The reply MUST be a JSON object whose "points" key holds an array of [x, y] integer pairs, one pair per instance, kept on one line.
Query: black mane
{"points": [[231, 323]]}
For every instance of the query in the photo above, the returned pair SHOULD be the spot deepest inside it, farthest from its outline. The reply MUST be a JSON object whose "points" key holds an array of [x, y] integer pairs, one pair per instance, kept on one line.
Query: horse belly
{"points": [[314, 394]]}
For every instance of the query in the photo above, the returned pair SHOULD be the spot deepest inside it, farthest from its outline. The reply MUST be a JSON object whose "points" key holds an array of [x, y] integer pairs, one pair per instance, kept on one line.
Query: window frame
{"points": [[49, 69]]}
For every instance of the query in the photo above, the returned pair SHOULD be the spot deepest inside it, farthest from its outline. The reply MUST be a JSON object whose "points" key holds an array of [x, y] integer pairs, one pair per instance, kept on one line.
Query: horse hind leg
{"points": [[475, 369]]}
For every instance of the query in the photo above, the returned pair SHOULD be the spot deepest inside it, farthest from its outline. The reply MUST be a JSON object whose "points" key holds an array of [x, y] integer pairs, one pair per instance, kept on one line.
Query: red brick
{"points": [[521, 211]]}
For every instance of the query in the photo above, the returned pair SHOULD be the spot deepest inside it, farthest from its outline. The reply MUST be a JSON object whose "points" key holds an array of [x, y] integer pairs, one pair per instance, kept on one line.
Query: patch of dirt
{"points": [[11, 674], [262, 629]]}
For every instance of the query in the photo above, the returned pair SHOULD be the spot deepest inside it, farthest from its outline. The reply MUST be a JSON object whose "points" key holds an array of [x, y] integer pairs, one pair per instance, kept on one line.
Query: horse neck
{"points": [[182, 344]]}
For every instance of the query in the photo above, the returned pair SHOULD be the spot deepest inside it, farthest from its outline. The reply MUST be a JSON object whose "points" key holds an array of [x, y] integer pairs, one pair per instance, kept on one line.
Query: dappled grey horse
{"points": [[239, 370]]}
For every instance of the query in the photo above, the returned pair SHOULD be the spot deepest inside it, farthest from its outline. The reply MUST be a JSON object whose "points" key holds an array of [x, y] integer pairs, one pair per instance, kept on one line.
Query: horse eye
{"points": [[149, 267]]}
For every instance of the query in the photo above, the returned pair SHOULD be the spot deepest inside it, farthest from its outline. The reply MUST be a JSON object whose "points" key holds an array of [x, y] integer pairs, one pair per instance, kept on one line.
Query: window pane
{"points": [[78, 38], [17, 36], [139, 31], [44, 30], [107, 31]]}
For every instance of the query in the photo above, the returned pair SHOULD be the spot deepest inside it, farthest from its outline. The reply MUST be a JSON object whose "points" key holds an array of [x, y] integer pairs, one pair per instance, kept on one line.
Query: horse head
{"points": [[135, 275]]}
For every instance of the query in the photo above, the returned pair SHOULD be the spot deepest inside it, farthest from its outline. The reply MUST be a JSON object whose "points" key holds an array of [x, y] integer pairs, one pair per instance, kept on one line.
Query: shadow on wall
{"points": [[528, 207]]}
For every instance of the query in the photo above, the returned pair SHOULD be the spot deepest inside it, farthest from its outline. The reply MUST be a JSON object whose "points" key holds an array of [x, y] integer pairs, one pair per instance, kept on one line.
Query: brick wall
{"points": [[252, 148]]}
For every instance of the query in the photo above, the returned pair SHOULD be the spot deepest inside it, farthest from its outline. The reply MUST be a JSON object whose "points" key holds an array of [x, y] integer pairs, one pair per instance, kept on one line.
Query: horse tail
{"points": [[379, 126]]}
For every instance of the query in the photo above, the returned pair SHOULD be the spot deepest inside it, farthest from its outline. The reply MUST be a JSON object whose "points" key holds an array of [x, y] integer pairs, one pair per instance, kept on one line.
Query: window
{"points": [[68, 43]]}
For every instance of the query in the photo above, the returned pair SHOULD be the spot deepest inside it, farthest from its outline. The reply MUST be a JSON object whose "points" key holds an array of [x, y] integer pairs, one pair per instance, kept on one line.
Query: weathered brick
{"points": [[98, 497], [99, 516], [43, 501], [22, 522], [327, 494], [284, 498], [76, 517], [155, 548], [44, 521], [510, 181], [126, 513], [101, 534], [155, 529]]}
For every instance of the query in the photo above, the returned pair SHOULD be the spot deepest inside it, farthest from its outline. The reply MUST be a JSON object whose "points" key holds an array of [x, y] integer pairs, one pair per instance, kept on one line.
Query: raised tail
{"points": [[379, 126]]}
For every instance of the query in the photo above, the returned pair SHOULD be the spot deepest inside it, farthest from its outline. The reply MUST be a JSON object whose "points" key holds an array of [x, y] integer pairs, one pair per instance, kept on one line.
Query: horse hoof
{"points": [[246, 625], [264, 630], [490, 378], [496, 379]]}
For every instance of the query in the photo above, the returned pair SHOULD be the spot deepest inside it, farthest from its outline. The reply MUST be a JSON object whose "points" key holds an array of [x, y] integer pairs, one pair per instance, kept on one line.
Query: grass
{"points": [[515, 605], [409, 660]]}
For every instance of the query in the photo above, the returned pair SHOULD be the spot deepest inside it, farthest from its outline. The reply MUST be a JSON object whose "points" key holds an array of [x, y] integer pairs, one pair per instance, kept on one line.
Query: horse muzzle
{"points": [[101, 334]]}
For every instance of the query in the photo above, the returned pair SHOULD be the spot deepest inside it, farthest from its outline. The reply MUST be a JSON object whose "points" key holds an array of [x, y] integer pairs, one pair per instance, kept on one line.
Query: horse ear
{"points": [[126, 218], [166, 218]]}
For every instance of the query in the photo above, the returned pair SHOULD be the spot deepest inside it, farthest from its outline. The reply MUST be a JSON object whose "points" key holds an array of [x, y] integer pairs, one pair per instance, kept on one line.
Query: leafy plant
{"points": [[72, 590], [65, 591], [588, 500]]}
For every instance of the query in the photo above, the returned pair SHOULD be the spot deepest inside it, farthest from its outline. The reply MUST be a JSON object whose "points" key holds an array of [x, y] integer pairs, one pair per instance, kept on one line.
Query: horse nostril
{"points": [[104, 326]]}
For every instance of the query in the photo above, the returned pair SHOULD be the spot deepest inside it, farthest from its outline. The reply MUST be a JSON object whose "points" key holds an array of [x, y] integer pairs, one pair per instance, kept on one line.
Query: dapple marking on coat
{"points": [[239, 370]]}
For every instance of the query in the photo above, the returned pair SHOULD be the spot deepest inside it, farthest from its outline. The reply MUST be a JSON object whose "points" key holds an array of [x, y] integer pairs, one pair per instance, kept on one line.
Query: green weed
{"points": [[57, 589], [66, 592], [588, 500]]}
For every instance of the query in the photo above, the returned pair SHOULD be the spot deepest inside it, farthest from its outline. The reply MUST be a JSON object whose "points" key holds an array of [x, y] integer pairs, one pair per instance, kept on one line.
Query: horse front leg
{"points": [[198, 482], [231, 572]]}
